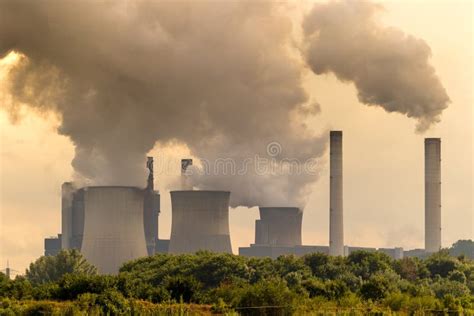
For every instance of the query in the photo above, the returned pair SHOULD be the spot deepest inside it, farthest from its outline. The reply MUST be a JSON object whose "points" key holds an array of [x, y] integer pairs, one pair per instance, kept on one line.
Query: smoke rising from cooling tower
{"points": [[222, 78], [388, 67]]}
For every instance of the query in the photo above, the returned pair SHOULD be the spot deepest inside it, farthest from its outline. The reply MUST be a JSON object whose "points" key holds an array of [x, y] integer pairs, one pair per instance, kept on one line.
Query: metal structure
{"points": [[151, 210], [336, 215], [113, 226], [185, 183], [279, 226], [432, 194], [200, 221]]}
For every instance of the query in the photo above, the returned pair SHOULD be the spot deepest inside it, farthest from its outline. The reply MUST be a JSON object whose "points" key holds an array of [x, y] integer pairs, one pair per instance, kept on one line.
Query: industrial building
{"points": [[52, 245], [277, 232], [280, 226], [108, 224], [111, 225], [200, 221]]}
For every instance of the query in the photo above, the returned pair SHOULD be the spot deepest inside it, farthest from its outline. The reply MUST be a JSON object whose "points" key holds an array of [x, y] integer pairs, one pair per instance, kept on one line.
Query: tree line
{"points": [[363, 282]]}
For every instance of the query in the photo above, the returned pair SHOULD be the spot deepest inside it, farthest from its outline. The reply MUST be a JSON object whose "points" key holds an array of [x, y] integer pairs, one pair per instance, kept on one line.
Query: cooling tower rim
{"points": [[266, 211], [199, 191], [94, 187], [279, 207]]}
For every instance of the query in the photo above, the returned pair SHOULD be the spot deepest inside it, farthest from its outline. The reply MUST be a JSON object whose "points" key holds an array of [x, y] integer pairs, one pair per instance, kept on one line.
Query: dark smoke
{"points": [[123, 75], [389, 68]]}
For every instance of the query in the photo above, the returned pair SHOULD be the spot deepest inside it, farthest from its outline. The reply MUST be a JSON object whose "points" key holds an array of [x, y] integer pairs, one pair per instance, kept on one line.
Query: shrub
{"points": [[182, 288]]}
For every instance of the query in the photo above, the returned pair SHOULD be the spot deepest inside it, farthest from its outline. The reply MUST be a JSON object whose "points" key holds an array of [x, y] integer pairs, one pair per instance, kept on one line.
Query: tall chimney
{"points": [[336, 221], [432, 194], [185, 163]]}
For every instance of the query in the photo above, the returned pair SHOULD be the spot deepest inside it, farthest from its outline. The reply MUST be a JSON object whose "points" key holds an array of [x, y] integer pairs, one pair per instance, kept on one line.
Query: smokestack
{"points": [[336, 221], [185, 163], [432, 194], [151, 210], [150, 181], [279, 226], [200, 221]]}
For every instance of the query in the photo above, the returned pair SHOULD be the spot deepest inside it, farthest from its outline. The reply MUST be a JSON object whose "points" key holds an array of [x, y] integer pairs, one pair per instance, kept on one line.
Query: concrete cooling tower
{"points": [[200, 221], [113, 226], [279, 226]]}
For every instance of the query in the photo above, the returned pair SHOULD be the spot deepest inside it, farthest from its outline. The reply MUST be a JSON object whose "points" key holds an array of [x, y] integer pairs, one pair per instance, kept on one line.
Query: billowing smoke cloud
{"points": [[389, 68], [123, 75], [221, 77]]}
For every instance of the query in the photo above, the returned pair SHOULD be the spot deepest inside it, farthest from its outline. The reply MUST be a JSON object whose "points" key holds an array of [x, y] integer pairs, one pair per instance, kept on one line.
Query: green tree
{"points": [[441, 263], [51, 268], [326, 267], [411, 269], [462, 247], [377, 287], [183, 288], [73, 285], [272, 294], [365, 263]]}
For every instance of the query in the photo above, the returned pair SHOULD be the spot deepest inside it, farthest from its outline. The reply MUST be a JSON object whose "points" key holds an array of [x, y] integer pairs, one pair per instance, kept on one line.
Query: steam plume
{"points": [[389, 68], [123, 75], [217, 76]]}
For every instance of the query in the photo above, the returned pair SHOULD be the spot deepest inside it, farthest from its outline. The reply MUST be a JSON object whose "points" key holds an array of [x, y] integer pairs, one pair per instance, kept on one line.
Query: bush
{"points": [[376, 288], [72, 285], [51, 268], [181, 288], [441, 264], [397, 301], [274, 294]]}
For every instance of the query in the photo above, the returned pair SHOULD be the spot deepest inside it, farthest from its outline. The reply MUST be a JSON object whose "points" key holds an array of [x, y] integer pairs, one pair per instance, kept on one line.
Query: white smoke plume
{"points": [[388, 67], [224, 78], [122, 75]]}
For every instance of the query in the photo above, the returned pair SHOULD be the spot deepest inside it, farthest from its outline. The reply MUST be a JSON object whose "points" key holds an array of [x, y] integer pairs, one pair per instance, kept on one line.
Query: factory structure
{"points": [[110, 225]]}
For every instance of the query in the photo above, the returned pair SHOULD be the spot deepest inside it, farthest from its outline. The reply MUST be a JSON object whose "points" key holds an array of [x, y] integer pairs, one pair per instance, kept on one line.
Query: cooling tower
{"points": [[200, 221], [279, 226], [336, 219], [432, 194], [113, 227]]}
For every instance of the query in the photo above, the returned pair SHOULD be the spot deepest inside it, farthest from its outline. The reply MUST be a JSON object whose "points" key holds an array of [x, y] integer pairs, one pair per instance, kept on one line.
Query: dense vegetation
{"points": [[363, 282]]}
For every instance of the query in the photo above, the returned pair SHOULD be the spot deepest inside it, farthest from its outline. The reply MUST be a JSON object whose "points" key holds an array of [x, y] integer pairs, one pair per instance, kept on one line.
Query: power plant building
{"points": [[279, 226], [200, 221], [91, 216], [114, 224], [277, 233]]}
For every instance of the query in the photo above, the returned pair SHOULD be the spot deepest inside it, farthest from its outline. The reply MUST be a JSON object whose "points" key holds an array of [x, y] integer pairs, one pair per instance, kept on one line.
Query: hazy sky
{"points": [[383, 156]]}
